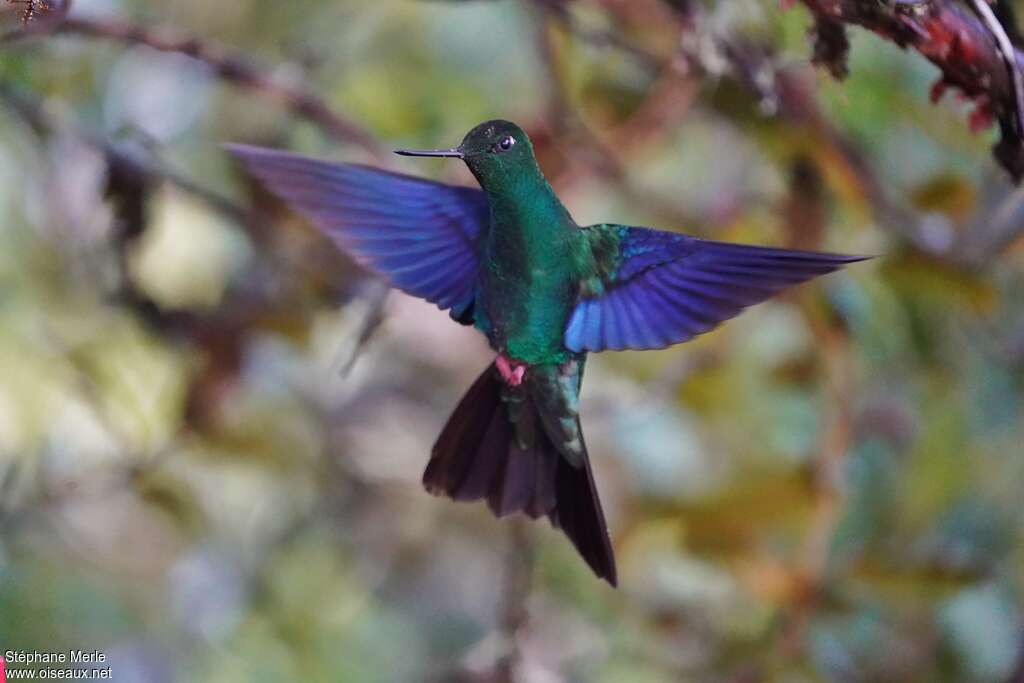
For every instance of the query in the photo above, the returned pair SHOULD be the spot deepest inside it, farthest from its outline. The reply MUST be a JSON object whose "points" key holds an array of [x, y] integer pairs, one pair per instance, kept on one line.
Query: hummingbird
{"points": [[509, 260]]}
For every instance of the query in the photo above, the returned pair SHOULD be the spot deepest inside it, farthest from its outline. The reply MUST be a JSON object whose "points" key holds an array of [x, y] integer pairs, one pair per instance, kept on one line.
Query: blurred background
{"points": [[213, 425]]}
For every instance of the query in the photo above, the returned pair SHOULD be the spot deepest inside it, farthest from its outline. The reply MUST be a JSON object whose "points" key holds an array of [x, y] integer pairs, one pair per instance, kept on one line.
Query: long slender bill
{"points": [[454, 152]]}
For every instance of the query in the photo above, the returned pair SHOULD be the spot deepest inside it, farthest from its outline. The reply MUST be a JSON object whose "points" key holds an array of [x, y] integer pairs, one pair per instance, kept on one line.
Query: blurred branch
{"points": [[971, 49], [1018, 672], [32, 10], [130, 172], [704, 51], [130, 177], [599, 38], [574, 139], [812, 571], [44, 121], [995, 231], [565, 118], [516, 592], [375, 298], [783, 92], [229, 66], [242, 71]]}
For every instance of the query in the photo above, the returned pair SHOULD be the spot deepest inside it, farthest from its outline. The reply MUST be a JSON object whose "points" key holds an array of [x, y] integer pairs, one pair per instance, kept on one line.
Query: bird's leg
{"points": [[511, 371]]}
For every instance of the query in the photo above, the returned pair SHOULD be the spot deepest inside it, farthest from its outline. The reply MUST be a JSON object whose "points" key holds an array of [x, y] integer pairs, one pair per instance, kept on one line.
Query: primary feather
{"points": [[423, 236], [652, 289]]}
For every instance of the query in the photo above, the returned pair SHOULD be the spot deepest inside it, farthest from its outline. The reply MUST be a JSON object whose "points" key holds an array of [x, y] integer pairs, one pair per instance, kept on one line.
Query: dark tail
{"points": [[478, 457]]}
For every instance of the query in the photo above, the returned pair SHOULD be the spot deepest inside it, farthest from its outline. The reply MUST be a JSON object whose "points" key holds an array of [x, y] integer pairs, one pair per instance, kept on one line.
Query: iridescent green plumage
{"points": [[532, 254]]}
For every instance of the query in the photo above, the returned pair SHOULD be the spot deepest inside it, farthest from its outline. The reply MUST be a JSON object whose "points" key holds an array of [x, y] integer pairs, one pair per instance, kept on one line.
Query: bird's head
{"points": [[496, 152]]}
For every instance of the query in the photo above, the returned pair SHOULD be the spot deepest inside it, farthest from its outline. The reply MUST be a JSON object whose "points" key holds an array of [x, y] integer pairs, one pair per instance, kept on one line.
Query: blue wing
{"points": [[422, 236], [652, 289]]}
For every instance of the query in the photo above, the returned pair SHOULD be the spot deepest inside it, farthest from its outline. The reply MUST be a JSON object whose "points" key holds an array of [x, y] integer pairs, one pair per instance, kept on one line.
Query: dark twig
{"points": [[371, 320], [229, 66]]}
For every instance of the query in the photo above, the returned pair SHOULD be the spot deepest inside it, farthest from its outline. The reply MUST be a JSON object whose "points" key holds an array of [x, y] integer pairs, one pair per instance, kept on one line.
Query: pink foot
{"points": [[511, 371]]}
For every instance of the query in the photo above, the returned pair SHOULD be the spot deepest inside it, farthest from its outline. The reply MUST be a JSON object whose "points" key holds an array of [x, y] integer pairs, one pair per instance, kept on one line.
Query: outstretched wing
{"points": [[651, 289], [422, 236]]}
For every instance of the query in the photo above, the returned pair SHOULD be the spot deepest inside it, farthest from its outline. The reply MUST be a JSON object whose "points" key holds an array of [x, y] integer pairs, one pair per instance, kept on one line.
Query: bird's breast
{"points": [[528, 295]]}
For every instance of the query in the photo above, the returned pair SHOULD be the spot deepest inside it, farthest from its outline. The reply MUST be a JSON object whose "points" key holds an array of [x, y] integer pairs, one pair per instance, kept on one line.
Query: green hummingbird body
{"points": [[526, 289], [537, 260], [529, 279], [534, 258], [510, 260]]}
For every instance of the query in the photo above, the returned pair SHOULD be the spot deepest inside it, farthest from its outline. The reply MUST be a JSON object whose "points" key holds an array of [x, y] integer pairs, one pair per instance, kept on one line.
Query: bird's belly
{"points": [[527, 316]]}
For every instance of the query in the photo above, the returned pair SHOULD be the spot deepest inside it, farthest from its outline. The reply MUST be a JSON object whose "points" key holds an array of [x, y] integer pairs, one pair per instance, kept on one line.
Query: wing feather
{"points": [[422, 236], [665, 288]]}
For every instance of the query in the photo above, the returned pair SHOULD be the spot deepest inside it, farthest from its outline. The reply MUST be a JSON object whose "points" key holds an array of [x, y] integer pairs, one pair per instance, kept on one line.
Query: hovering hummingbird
{"points": [[509, 259]]}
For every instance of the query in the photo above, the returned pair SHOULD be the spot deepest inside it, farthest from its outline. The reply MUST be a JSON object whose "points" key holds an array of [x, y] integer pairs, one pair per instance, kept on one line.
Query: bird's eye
{"points": [[505, 144]]}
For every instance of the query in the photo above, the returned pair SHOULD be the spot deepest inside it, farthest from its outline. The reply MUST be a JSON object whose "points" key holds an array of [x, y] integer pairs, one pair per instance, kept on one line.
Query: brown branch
{"points": [[812, 570], [563, 117], [229, 66], [599, 38], [963, 44], [585, 153], [516, 592], [376, 297], [783, 92], [43, 121]]}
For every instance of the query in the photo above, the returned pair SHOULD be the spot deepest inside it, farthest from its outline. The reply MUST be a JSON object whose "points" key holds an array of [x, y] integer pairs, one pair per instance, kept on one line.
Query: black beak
{"points": [[454, 152]]}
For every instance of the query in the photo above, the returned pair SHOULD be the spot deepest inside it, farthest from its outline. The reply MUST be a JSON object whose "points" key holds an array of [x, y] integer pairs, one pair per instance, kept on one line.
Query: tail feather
{"points": [[579, 515], [478, 457], [513, 489], [450, 471]]}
